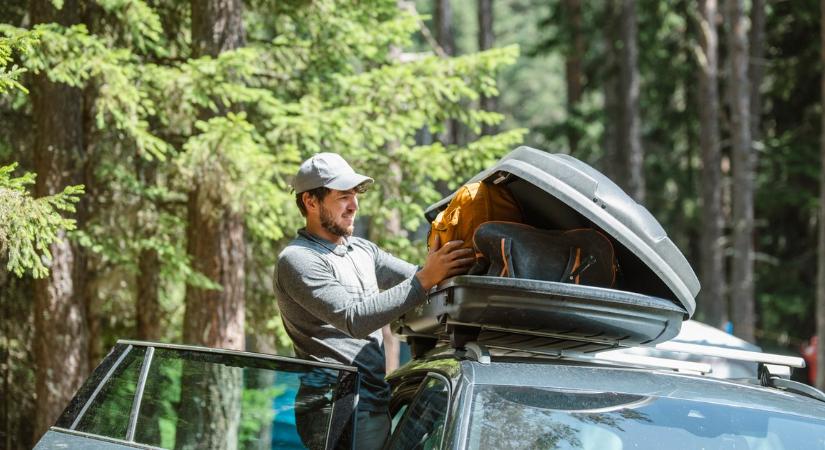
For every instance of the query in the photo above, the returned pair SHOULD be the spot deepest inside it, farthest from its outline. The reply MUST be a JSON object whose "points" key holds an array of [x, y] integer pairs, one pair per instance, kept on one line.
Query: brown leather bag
{"points": [[515, 250]]}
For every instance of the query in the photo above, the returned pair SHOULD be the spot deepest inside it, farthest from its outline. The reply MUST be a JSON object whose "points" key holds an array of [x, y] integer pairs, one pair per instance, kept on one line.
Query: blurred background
{"points": [[146, 148]]}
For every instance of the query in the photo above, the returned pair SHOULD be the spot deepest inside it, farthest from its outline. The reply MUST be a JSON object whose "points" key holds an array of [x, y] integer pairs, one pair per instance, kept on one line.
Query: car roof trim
{"points": [[223, 351]]}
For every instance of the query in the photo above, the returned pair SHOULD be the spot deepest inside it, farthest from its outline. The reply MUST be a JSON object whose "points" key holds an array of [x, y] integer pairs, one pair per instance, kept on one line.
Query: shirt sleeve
{"points": [[390, 270], [308, 280]]}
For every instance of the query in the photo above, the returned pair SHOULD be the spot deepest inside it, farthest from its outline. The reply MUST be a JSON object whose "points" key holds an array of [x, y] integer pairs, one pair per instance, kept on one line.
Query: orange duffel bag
{"points": [[473, 204]]}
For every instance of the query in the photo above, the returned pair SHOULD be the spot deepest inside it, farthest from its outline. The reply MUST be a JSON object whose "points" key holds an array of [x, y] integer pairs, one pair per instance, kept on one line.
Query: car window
{"points": [[505, 417], [200, 402], [182, 398], [108, 413], [423, 421]]}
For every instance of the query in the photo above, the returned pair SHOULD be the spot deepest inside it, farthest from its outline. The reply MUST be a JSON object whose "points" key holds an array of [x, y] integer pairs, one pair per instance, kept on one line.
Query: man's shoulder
{"points": [[361, 242], [297, 250]]}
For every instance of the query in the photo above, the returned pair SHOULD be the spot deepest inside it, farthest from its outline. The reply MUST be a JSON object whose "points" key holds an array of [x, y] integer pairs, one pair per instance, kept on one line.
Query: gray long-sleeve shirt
{"points": [[334, 299]]}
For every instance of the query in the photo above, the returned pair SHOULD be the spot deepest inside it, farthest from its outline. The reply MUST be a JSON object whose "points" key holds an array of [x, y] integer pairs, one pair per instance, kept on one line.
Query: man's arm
{"points": [[308, 281], [443, 261], [389, 269]]}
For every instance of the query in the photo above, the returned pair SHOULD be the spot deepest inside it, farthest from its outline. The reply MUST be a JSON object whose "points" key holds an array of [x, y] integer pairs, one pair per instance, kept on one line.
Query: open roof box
{"points": [[654, 294]]}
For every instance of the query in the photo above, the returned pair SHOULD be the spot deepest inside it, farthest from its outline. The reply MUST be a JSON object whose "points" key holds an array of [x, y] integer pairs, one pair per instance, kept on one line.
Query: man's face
{"points": [[337, 212]]}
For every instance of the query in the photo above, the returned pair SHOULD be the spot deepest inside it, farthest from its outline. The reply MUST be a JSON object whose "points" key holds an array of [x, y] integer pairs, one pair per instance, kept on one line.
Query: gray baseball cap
{"points": [[328, 170]]}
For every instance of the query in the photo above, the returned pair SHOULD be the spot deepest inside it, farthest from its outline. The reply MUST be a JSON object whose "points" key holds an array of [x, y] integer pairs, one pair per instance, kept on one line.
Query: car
{"points": [[498, 362], [464, 400], [150, 395]]}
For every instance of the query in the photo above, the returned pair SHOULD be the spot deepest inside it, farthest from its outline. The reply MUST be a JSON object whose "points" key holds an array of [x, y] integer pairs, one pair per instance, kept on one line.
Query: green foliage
{"points": [[28, 225], [9, 72], [315, 76], [142, 28]]}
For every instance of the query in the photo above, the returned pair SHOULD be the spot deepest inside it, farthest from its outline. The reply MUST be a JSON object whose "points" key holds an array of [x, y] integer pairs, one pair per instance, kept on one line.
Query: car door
{"points": [[170, 396]]}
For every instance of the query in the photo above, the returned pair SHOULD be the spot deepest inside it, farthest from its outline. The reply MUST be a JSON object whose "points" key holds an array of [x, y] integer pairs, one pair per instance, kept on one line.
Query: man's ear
{"points": [[310, 201]]}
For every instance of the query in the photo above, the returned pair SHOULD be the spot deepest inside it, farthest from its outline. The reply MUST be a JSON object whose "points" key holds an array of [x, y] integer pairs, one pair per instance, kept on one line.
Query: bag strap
{"points": [[507, 258], [589, 261]]}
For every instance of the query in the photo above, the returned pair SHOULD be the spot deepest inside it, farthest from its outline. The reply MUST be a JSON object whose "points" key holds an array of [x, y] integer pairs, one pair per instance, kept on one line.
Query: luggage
{"points": [[515, 250], [472, 205]]}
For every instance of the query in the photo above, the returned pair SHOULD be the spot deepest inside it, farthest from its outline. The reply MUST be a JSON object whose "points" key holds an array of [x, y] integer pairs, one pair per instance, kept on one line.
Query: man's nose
{"points": [[353, 204]]}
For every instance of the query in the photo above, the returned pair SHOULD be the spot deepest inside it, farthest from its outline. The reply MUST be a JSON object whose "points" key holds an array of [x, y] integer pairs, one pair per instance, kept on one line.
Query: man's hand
{"points": [[444, 262]]}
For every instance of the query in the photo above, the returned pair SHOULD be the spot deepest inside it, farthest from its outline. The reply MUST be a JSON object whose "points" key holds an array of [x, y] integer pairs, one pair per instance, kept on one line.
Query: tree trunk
{"points": [[486, 40], [757, 66], [629, 131], [573, 67], [742, 291], [217, 26], [215, 318], [820, 273], [712, 300], [215, 244], [61, 339], [148, 313], [612, 161], [443, 18], [445, 38], [87, 265]]}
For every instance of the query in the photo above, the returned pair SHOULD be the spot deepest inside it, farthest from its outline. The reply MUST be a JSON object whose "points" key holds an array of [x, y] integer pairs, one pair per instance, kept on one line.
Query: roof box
{"points": [[557, 191], [655, 292]]}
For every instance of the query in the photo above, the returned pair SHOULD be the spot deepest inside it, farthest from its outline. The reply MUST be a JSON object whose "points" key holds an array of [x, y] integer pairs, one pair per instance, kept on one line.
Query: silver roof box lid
{"points": [[557, 191]]}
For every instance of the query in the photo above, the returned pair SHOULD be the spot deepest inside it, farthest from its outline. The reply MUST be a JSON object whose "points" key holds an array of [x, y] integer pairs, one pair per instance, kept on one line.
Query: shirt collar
{"points": [[336, 249]]}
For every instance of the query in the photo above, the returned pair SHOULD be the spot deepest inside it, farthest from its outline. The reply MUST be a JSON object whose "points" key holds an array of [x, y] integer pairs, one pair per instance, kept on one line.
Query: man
{"points": [[336, 292]]}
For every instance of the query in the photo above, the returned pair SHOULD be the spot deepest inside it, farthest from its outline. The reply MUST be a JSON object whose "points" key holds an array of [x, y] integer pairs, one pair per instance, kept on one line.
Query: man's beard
{"points": [[328, 222]]}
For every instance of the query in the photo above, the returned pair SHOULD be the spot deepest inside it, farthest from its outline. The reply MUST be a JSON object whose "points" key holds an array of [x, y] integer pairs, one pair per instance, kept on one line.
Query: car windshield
{"points": [[536, 418]]}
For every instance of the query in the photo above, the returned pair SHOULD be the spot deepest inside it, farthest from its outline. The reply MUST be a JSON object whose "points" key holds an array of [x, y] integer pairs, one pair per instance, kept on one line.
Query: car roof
{"points": [[587, 377]]}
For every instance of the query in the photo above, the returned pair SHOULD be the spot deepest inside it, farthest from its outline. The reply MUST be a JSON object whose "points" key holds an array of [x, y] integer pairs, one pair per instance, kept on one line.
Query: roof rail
{"points": [[624, 359], [732, 353], [774, 370]]}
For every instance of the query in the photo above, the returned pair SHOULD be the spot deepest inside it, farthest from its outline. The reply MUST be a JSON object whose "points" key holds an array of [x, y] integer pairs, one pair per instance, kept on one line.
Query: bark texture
{"points": [[612, 163], [215, 318], [61, 336], [757, 66], [712, 298], [148, 312], [443, 18], [573, 66], [486, 40], [217, 26], [630, 129], [742, 291], [444, 36]]}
